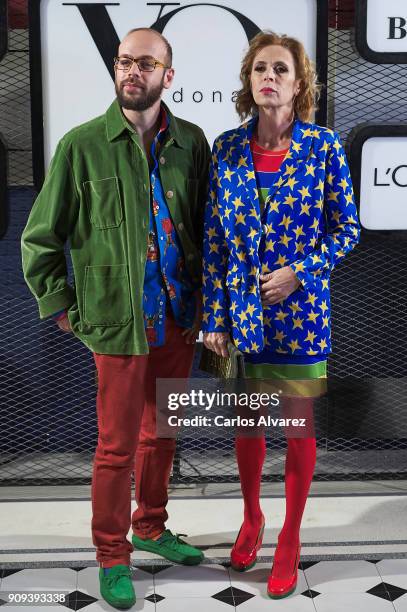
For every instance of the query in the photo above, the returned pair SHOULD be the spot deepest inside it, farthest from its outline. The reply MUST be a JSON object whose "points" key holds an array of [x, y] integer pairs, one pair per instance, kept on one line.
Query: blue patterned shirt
{"points": [[167, 284]]}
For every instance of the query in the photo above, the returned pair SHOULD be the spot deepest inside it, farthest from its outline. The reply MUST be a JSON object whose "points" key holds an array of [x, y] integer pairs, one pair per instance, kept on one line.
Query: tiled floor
{"points": [[353, 555], [324, 586]]}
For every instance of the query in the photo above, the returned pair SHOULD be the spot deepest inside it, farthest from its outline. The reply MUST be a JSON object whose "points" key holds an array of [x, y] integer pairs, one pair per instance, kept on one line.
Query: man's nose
{"points": [[134, 70]]}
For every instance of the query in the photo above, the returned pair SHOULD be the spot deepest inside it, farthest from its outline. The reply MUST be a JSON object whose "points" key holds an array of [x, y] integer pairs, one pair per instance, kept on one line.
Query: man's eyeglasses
{"points": [[144, 64]]}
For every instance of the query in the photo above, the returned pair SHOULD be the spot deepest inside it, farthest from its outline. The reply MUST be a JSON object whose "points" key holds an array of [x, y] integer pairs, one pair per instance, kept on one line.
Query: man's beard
{"points": [[145, 98]]}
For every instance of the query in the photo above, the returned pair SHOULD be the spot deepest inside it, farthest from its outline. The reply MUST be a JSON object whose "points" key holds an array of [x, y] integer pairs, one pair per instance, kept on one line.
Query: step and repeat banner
{"points": [[378, 151], [73, 45]]}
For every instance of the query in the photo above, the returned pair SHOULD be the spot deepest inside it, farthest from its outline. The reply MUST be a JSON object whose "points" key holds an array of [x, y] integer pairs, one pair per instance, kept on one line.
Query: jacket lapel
{"points": [[290, 170], [243, 162], [294, 161], [239, 157]]}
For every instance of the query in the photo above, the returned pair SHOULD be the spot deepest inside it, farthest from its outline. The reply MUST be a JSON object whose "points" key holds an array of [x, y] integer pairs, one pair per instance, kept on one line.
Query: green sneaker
{"points": [[116, 587], [170, 547]]}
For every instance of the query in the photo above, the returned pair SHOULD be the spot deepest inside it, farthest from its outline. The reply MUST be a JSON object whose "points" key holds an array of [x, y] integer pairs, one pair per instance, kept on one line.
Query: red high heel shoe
{"points": [[278, 588], [244, 561]]}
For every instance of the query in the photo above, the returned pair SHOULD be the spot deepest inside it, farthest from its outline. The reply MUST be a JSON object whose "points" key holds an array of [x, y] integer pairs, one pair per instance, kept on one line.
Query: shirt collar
{"points": [[116, 123], [164, 121]]}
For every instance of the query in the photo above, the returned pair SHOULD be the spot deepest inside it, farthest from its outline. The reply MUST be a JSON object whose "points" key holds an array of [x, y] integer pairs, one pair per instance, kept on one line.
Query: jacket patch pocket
{"points": [[104, 202], [107, 295]]}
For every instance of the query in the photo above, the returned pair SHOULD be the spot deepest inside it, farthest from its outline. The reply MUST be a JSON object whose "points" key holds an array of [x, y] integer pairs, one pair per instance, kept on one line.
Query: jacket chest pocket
{"points": [[103, 202], [107, 295]]}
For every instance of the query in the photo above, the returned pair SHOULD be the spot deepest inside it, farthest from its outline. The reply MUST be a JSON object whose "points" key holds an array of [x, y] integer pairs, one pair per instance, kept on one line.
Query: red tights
{"points": [[299, 469]]}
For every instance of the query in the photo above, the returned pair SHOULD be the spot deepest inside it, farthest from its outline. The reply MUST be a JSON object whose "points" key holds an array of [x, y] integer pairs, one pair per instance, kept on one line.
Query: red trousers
{"points": [[127, 442]]}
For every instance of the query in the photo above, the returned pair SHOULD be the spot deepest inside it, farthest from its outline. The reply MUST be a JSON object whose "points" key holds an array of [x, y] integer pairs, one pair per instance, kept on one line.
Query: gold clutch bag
{"points": [[223, 367]]}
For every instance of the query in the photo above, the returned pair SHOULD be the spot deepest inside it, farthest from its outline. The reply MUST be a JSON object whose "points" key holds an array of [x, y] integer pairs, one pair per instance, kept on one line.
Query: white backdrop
{"points": [[208, 44]]}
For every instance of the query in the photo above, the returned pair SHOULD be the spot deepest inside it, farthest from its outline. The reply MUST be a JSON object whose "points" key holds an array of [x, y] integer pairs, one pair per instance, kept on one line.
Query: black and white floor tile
{"points": [[323, 586]]}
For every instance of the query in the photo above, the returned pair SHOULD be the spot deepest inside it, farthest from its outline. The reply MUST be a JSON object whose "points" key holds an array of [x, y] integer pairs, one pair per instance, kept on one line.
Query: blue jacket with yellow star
{"points": [[309, 223]]}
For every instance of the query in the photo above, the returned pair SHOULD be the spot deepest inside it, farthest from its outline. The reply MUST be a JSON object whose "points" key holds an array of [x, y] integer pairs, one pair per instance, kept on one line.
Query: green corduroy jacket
{"points": [[96, 196]]}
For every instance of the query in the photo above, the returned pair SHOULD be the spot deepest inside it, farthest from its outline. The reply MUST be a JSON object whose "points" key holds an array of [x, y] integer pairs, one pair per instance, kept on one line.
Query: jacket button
{"points": [[162, 160], [190, 257], [170, 194], [264, 227], [180, 226]]}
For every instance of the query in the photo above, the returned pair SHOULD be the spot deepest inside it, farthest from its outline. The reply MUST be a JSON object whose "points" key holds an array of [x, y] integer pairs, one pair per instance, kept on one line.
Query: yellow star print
{"points": [[291, 182], [304, 191], [237, 202], [310, 169], [286, 222], [294, 346], [310, 337], [269, 245], [237, 241], [282, 260], [215, 306], [281, 315], [290, 170], [228, 174], [312, 298], [280, 335], [312, 316], [290, 201], [250, 309], [299, 247], [299, 231], [322, 345], [285, 239], [295, 307], [242, 316]]}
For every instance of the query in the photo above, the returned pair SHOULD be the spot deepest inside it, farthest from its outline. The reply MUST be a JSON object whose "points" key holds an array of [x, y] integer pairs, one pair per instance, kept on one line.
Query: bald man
{"points": [[127, 190]]}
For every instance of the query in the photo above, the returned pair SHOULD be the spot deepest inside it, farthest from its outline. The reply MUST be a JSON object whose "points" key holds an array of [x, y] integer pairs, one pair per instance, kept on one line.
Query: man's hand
{"points": [[64, 324], [277, 285], [218, 342]]}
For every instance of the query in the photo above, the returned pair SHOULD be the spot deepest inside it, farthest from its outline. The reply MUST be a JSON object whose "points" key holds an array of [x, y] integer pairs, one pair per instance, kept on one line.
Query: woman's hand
{"points": [[277, 285], [218, 342]]}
